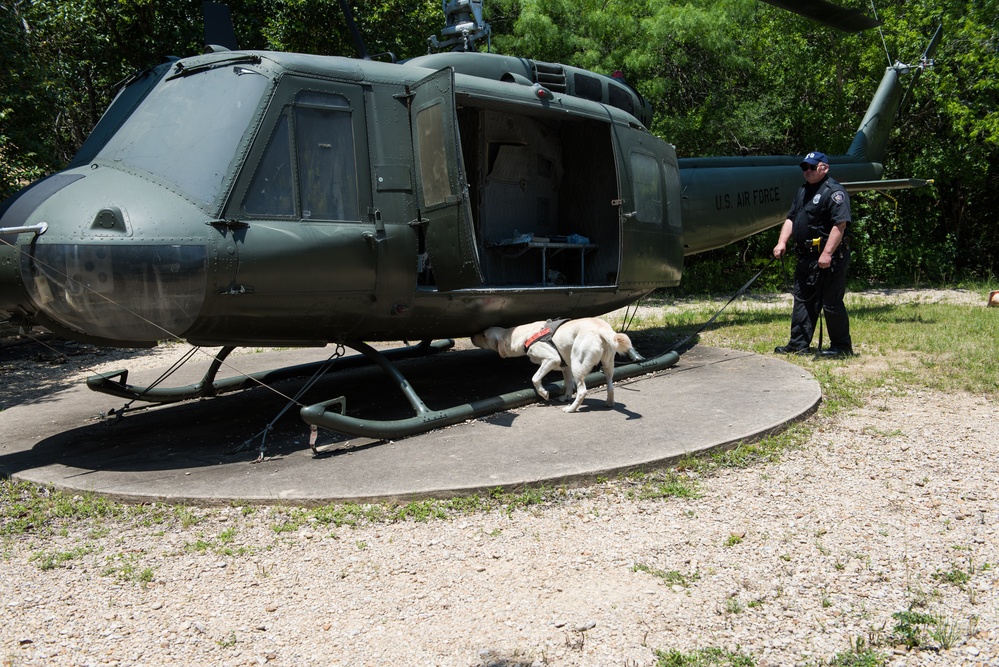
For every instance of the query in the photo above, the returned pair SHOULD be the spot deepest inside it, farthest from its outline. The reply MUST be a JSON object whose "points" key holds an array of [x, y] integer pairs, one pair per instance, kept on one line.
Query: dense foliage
{"points": [[739, 77], [725, 77]]}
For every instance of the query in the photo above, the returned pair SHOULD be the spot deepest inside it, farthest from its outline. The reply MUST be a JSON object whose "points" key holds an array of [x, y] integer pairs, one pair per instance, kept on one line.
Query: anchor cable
{"points": [[262, 434], [629, 316], [174, 367]]}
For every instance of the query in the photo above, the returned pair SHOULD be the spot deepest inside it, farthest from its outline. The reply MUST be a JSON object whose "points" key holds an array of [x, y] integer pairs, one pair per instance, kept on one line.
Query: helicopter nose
{"points": [[108, 258]]}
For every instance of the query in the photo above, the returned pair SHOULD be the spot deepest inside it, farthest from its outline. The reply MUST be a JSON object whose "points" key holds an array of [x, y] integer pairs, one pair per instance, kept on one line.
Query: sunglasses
{"points": [[809, 167]]}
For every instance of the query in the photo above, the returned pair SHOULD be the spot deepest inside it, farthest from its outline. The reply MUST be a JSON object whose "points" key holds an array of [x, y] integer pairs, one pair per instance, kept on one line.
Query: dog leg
{"points": [[570, 384], [609, 372], [580, 394], [547, 364]]}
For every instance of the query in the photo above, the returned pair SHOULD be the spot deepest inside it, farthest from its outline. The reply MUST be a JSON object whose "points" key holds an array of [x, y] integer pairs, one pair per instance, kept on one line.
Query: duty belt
{"points": [[815, 246], [810, 246]]}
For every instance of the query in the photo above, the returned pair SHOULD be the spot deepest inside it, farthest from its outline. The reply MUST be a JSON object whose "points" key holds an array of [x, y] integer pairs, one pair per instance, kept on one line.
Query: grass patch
{"points": [[126, 567], [940, 346], [911, 627], [868, 658], [49, 560], [671, 577], [955, 576], [705, 657], [31, 508], [662, 484], [923, 344]]}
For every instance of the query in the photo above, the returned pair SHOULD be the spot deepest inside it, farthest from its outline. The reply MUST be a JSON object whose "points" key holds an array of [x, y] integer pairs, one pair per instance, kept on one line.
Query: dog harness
{"points": [[545, 335]]}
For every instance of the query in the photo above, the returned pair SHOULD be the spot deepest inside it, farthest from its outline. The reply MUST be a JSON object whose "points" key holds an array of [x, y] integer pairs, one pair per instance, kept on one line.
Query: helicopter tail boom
{"points": [[872, 136]]}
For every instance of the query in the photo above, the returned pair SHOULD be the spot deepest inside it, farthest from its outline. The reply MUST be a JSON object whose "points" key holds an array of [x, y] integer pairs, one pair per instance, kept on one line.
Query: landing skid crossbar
{"points": [[426, 420], [115, 383]]}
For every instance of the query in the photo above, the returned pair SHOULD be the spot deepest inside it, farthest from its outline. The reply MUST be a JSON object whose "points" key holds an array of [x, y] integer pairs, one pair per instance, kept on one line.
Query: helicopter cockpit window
{"points": [[272, 191], [647, 186], [188, 129], [326, 161]]}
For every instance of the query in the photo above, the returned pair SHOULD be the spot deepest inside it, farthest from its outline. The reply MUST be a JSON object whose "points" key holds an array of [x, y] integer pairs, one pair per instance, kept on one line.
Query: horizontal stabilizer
{"points": [[889, 184], [827, 13]]}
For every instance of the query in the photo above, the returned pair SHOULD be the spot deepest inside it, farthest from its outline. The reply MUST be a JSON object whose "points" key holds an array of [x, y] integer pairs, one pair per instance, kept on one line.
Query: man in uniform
{"points": [[816, 226]]}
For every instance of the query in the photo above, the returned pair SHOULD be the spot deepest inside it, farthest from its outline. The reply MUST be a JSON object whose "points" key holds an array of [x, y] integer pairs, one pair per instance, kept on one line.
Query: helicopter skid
{"points": [[320, 414], [115, 383]]}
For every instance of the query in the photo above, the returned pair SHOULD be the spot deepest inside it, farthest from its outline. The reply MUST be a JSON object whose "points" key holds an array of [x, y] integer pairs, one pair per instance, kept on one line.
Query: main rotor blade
{"points": [[355, 34], [218, 26], [826, 13]]}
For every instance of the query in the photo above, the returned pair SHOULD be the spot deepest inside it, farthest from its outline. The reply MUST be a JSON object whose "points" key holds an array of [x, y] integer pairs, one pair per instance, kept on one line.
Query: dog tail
{"points": [[622, 345]]}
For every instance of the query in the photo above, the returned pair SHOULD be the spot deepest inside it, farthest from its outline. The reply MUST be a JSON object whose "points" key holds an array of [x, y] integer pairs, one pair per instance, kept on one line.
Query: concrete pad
{"points": [[191, 453]]}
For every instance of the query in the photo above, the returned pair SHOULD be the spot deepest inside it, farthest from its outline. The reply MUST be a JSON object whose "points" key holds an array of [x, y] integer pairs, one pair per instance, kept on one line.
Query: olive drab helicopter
{"points": [[258, 198]]}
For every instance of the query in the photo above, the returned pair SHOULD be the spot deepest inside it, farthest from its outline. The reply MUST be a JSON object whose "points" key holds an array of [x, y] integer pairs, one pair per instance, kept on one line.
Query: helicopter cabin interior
{"points": [[541, 202]]}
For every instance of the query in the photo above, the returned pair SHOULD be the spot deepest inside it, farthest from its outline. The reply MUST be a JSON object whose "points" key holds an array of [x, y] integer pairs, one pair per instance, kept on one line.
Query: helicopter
{"points": [[258, 198]]}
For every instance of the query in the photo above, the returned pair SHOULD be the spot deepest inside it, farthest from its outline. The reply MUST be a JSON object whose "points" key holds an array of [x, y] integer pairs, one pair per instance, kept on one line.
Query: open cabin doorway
{"points": [[544, 198]]}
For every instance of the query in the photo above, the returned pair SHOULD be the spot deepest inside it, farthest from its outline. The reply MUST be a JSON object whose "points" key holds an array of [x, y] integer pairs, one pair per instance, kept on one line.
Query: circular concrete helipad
{"points": [[203, 452]]}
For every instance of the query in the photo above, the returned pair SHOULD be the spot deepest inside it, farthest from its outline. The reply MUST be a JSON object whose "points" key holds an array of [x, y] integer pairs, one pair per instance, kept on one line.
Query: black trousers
{"points": [[825, 288]]}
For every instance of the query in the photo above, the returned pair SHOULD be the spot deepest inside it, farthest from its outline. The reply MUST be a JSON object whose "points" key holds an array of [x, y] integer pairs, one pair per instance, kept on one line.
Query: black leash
{"points": [[735, 296], [820, 314]]}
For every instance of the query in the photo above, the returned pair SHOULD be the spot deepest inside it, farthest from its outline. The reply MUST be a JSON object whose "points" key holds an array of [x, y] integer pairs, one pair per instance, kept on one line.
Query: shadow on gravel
{"points": [[31, 372]]}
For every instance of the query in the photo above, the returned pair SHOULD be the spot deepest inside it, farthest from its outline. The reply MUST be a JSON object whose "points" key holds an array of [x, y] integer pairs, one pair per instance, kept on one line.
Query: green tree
{"points": [[25, 147], [392, 26]]}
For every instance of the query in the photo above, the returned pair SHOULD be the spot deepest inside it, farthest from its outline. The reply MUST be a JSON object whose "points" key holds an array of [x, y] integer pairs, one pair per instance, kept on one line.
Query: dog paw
{"points": [[543, 393], [569, 408]]}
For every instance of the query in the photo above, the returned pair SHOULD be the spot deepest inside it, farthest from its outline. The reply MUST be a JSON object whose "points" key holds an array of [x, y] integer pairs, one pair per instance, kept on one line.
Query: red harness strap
{"points": [[545, 335], [546, 331]]}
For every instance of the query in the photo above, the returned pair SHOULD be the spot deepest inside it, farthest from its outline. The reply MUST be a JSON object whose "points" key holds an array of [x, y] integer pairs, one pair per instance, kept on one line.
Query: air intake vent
{"points": [[550, 75]]}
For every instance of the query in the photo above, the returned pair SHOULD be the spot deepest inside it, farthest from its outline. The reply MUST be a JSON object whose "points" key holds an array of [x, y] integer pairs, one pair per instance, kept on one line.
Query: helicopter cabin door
{"points": [[652, 250], [441, 184]]}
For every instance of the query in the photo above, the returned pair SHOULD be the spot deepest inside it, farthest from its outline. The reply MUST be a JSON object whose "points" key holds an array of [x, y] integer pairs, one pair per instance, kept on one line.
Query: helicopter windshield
{"points": [[188, 129]]}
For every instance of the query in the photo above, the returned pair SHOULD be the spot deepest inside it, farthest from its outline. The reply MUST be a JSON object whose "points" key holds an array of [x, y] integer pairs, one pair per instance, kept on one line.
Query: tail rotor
{"points": [[925, 63]]}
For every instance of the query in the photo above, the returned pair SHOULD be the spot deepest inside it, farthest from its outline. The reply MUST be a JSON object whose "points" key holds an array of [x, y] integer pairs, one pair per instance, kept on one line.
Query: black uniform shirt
{"points": [[817, 209]]}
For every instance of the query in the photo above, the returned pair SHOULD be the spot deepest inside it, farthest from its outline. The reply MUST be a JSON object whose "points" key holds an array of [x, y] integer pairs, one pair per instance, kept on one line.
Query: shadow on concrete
{"points": [[228, 428]]}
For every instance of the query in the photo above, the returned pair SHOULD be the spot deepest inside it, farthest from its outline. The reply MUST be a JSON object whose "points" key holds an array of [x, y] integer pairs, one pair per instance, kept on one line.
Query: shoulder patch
{"points": [[839, 196]]}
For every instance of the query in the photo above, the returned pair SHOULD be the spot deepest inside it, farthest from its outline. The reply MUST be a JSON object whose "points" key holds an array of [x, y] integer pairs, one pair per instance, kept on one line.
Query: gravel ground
{"points": [[887, 508]]}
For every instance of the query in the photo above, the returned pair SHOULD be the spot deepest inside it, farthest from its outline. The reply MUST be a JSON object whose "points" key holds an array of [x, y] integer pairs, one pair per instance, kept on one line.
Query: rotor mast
{"points": [[464, 26]]}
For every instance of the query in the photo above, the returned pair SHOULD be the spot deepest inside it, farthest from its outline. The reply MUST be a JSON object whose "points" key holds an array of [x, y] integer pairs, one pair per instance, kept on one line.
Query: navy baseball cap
{"points": [[814, 158]]}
